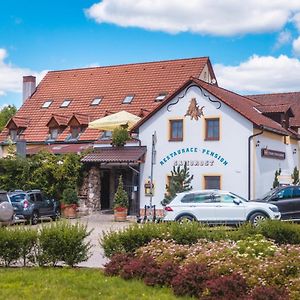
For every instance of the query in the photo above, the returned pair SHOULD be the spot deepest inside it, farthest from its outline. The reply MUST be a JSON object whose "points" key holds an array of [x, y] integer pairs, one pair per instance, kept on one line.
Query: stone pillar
{"points": [[94, 189]]}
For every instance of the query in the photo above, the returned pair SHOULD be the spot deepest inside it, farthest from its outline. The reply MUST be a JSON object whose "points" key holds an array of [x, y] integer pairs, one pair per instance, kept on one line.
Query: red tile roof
{"points": [[292, 99], [20, 122], [60, 120], [132, 154], [275, 108], [59, 148], [113, 83], [241, 104]]}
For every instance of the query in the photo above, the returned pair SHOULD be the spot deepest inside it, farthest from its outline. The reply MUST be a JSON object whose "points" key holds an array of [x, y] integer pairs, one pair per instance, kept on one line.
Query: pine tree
{"points": [[295, 176], [276, 181], [180, 182]]}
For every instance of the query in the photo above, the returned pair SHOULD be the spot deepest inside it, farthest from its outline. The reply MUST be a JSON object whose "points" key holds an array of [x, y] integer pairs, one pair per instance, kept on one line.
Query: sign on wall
{"points": [[265, 152], [194, 111]]}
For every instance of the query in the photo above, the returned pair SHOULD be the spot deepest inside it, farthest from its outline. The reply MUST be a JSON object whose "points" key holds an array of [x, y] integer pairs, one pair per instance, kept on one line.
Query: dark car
{"points": [[6, 209], [287, 199], [33, 205]]}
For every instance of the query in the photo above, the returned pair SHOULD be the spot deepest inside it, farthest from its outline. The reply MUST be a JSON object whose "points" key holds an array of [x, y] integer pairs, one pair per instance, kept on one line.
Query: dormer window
{"points": [[53, 133], [107, 135], [96, 101], [13, 134], [160, 97], [66, 103], [46, 104], [75, 131], [128, 99]]}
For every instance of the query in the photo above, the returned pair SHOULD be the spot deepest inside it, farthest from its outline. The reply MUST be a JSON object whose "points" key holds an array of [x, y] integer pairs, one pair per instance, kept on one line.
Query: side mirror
{"points": [[237, 201]]}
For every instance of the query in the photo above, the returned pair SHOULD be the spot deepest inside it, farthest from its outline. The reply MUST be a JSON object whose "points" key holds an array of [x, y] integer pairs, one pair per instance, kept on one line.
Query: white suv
{"points": [[6, 209], [218, 207]]}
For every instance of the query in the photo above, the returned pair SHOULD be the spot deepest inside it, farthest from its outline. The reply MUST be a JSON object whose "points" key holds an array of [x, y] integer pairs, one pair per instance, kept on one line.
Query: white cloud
{"points": [[11, 76], [261, 74], [283, 38], [296, 46], [219, 17]]}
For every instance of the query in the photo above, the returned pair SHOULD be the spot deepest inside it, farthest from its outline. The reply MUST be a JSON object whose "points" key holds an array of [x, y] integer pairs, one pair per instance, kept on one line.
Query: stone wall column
{"points": [[94, 189]]}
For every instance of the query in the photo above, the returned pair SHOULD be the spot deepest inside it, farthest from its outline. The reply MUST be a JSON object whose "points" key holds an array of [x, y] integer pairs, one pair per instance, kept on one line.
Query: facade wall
{"points": [[230, 153], [264, 167]]}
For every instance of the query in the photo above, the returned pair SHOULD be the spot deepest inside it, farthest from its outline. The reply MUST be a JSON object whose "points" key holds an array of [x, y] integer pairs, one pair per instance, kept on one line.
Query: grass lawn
{"points": [[65, 283]]}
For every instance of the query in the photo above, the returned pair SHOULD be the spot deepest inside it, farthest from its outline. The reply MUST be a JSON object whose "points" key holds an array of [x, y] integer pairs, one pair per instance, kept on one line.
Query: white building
{"points": [[226, 141]]}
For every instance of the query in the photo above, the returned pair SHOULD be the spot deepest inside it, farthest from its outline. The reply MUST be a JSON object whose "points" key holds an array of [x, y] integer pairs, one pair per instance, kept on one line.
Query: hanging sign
{"points": [[265, 152]]}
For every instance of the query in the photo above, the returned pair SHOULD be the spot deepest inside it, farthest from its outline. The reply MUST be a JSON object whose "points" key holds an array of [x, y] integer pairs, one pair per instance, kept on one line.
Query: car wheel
{"points": [[34, 218], [57, 215], [257, 218], [185, 219]]}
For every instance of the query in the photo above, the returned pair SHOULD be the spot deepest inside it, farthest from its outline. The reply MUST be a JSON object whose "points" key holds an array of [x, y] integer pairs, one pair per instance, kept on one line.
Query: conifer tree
{"points": [[179, 182], [295, 176]]}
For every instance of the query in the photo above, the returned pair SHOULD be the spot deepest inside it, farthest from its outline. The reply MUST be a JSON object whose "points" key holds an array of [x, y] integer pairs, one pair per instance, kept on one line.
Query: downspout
{"points": [[249, 159]]}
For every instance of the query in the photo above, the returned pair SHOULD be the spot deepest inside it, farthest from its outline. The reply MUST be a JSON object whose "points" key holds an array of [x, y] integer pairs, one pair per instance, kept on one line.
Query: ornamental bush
{"points": [[268, 293], [233, 287], [116, 264]]}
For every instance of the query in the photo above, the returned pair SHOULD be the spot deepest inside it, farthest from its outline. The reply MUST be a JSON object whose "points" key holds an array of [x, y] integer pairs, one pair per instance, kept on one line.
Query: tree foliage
{"points": [[5, 114], [119, 136], [48, 172], [179, 182], [121, 197]]}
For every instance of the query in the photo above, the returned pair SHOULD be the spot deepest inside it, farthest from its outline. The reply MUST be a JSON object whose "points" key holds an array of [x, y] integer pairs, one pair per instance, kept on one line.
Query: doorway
{"points": [[104, 194]]}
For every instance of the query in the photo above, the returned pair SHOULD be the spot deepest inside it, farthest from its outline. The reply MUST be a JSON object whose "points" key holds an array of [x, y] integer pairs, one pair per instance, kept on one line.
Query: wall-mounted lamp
{"points": [[257, 143], [294, 151]]}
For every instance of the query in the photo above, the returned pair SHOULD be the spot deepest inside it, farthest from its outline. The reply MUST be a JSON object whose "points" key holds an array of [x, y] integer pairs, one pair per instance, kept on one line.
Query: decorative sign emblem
{"points": [[194, 111], [272, 154]]}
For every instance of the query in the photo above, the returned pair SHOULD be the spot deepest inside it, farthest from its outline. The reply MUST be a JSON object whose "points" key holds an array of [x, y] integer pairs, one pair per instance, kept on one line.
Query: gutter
{"points": [[249, 158]]}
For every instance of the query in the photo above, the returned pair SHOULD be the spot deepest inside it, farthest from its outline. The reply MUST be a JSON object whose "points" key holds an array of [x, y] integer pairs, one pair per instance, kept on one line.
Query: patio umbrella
{"points": [[110, 122]]}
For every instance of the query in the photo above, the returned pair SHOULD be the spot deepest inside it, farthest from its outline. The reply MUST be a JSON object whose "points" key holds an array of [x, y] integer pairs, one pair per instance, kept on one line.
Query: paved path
{"points": [[99, 223]]}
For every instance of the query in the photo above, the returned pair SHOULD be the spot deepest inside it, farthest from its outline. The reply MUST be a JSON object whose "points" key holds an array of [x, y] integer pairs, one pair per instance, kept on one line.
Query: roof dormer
{"points": [[16, 127], [56, 125], [77, 123]]}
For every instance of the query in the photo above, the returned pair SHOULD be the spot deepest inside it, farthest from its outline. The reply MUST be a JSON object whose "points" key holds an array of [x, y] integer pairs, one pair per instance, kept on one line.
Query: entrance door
{"points": [[105, 203]]}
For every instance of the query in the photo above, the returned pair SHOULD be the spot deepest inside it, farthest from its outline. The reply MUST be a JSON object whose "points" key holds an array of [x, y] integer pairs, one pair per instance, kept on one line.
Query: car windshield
{"points": [[17, 197], [268, 194]]}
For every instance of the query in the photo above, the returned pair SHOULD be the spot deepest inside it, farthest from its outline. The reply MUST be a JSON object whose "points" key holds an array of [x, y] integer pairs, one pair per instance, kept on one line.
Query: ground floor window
{"points": [[212, 182]]}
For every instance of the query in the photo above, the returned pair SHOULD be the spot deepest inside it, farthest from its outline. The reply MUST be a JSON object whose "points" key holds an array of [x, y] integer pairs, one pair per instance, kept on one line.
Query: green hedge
{"points": [[133, 237], [59, 242]]}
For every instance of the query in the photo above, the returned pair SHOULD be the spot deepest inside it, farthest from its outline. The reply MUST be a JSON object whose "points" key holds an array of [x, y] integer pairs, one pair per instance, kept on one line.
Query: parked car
{"points": [[6, 209], [33, 205], [287, 199], [218, 207]]}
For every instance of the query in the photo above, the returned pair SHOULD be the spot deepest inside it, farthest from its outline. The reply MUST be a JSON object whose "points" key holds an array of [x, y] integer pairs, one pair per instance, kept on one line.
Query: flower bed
{"points": [[253, 268]]}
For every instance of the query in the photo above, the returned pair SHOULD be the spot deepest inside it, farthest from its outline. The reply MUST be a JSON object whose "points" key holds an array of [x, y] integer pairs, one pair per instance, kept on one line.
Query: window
{"points": [[96, 101], [46, 104], [176, 130], [285, 194], [212, 129], [53, 133], [75, 132], [13, 133], [66, 103], [107, 135], [160, 97], [39, 197], [31, 198], [212, 182], [196, 198], [128, 99], [296, 192]]}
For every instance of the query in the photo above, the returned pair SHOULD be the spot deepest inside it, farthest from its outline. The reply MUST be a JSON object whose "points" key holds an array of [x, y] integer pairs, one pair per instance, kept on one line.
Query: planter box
{"points": [[120, 214]]}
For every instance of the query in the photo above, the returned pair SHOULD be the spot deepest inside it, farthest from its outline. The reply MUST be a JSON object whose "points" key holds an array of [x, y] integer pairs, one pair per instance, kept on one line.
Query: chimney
{"points": [[29, 86]]}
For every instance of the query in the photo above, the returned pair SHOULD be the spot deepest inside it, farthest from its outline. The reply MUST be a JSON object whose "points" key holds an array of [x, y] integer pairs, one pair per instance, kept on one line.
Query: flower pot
{"points": [[69, 211], [120, 214]]}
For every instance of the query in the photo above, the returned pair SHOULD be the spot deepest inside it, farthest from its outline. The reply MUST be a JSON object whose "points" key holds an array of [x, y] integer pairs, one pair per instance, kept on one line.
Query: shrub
{"points": [[163, 275], [62, 241], [189, 281], [281, 232], [138, 267], [121, 197], [268, 293], [116, 264], [119, 136], [69, 196], [9, 246], [231, 287]]}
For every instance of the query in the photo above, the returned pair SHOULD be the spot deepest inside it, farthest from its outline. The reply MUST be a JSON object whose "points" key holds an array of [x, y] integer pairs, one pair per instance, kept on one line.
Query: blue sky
{"points": [[254, 47]]}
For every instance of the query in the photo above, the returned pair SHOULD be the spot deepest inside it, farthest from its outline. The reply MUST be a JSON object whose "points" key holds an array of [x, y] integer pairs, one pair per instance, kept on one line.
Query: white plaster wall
{"points": [[264, 168], [234, 132]]}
